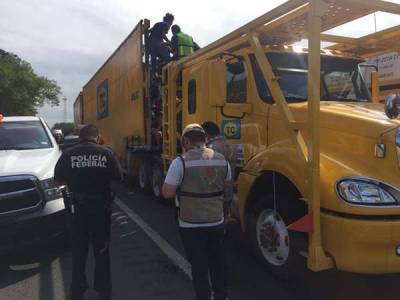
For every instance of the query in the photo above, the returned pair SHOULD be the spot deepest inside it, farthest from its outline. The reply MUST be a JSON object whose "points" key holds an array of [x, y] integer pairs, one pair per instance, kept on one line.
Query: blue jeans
{"points": [[159, 55], [205, 251]]}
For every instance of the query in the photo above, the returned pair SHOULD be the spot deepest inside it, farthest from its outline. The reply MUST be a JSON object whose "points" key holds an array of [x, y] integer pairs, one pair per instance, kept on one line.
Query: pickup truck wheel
{"points": [[157, 180], [271, 242], [144, 177]]}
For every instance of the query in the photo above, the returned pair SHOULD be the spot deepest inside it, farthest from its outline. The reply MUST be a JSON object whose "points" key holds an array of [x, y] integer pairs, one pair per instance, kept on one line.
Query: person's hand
{"points": [[226, 207]]}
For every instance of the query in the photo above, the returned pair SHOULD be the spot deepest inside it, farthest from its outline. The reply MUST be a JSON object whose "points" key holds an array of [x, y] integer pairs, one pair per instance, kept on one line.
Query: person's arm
{"points": [[174, 46], [228, 191], [173, 179], [115, 169], [61, 169], [166, 39], [168, 190], [165, 30]]}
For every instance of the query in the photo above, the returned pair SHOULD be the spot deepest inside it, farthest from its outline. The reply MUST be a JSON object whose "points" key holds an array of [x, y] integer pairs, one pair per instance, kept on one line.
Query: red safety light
{"points": [[1, 118]]}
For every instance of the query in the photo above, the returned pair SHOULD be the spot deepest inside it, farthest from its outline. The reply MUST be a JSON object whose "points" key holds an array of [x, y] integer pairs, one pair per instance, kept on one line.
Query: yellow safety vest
{"points": [[185, 44]]}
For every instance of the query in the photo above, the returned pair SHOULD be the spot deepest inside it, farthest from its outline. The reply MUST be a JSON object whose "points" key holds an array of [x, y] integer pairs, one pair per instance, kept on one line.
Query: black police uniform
{"points": [[88, 170]]}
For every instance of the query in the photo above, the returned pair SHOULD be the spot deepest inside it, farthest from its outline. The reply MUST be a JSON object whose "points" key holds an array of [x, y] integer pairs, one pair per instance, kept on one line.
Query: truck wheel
{"points": [[157, 180], [271, 242], [144, 178]]}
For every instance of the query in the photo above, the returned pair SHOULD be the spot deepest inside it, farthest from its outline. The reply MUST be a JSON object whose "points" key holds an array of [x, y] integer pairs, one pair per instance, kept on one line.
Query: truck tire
{"points": [[270, 241], [157, 180], [144, 179]]}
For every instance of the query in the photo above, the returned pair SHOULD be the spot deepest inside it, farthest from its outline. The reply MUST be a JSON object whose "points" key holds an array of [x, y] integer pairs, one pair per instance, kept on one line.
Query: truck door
{"points": [[197, 106], [242, 117], [223, 91]]}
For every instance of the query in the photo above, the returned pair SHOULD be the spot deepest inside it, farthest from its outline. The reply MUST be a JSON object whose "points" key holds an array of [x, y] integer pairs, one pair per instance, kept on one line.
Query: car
{"points": [[31, 204], [69, 141]]}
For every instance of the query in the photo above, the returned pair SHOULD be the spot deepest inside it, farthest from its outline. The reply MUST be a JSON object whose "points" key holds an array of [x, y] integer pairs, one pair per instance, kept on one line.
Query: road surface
{"points": [[148, 262]]}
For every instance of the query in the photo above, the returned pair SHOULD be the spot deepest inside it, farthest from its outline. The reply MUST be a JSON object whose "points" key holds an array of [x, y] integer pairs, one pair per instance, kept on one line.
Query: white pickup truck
{"points": [[31, 205]]}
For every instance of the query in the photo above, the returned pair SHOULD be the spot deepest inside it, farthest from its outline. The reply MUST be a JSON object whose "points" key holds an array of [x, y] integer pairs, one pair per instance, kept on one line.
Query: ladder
{"points": [[169, 108]]}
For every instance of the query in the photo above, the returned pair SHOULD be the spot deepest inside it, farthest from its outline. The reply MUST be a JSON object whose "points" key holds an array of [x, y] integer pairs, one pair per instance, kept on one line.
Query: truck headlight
{"points": [[365, 191], [51, 190]]}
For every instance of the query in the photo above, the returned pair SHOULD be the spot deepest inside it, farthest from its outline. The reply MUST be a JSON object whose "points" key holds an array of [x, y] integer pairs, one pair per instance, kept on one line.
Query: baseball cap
{"points": [[193, 127]]}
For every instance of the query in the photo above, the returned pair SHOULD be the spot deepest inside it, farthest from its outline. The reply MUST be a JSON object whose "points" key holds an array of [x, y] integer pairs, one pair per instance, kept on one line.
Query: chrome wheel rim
{"points": [[272, 237]]}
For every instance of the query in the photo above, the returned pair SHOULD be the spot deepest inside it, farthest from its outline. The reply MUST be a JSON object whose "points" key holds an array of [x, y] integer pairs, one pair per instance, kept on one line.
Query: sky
{"points": [[69, 40]]}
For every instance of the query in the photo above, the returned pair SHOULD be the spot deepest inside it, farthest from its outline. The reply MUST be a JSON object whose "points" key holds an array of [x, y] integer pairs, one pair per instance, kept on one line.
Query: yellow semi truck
{"points": [[315, 148]]}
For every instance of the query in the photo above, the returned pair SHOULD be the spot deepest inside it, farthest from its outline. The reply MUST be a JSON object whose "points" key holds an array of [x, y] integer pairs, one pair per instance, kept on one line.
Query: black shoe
{"points": [[104, 296], [77, 297]]}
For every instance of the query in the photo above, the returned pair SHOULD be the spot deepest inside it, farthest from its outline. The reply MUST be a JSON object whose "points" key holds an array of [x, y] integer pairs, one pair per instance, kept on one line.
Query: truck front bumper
{"points": [[362, 245], [35, 227]]}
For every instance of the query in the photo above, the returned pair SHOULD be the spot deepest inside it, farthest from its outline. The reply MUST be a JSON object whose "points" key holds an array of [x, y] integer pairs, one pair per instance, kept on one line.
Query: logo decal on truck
{"points": [[102, 100], [231, 129]]}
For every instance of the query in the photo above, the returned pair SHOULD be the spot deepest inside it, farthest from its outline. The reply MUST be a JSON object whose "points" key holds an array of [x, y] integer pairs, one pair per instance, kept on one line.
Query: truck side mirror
{"points": [[375, 87], [217, 82], [392, 106]]}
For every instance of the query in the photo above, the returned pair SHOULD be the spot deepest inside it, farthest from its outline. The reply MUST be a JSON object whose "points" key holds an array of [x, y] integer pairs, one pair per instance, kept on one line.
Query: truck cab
{"points": [[317, 152]]}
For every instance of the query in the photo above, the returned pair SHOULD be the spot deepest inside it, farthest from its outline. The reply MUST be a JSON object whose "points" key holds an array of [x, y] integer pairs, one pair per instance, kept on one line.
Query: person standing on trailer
{"points": [[182, 44], [159, 44], [88, 170], [200, 180]]}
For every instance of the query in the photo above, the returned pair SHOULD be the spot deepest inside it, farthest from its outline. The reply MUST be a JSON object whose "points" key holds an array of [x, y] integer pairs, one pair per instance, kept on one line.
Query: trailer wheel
{"points": [[157, 180], [271, 242], [144, 177]]}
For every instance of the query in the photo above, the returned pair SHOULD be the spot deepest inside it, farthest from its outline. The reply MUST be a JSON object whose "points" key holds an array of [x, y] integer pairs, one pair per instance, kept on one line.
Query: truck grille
{"points": [[18, 193]]}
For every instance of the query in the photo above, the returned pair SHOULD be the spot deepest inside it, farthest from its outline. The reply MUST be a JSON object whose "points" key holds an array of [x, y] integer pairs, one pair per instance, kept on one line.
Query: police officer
{"points": [[201, 181], [182, 44], [219, 143], [88, 169]]}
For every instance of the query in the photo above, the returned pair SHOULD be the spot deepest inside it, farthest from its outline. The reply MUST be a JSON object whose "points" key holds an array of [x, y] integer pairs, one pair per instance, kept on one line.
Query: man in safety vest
{"points": [[201, 181], [182, 44]]}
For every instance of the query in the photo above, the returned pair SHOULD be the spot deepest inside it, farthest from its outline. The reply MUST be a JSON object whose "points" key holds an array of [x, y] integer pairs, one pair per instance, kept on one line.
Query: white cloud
{"points": [[69, 40]]}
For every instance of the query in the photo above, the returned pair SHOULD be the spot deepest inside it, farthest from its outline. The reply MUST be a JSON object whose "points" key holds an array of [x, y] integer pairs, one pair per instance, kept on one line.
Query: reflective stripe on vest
{"points": [[185, 44], [201, 193]]}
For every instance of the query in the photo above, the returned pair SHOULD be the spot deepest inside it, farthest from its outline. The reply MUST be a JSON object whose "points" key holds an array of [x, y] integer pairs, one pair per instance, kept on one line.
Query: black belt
{"points": [[201, 195]]}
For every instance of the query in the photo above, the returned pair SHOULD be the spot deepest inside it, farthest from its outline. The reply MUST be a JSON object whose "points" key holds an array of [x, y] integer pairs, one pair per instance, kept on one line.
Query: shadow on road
{"points": [[48, 263]]}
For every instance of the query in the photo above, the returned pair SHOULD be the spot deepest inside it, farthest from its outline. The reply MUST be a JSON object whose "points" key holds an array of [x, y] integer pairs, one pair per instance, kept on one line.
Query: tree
{"points": [[66, 128], [21, 90]]}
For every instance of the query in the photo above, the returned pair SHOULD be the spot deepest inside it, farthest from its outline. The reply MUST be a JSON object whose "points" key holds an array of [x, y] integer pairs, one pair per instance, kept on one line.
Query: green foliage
{"points": [[66, 128], [21, 90]]}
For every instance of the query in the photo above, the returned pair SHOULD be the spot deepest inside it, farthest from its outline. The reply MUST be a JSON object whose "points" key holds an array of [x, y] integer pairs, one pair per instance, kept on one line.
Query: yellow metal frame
{"points": [[284, 25]]}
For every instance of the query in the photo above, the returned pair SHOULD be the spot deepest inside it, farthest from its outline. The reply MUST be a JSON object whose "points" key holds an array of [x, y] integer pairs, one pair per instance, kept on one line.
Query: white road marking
{"points": [[25, 267], [169, 251], [128, 234]]}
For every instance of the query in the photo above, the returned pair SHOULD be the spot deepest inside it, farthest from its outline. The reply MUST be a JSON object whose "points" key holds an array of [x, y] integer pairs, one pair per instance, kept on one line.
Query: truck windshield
{"points": [[340, 78], [23, 135]]}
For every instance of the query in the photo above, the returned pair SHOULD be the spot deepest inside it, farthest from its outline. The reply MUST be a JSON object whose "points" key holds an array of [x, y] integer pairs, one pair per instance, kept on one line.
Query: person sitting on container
{"points": [[182, 44], [159, 42]]}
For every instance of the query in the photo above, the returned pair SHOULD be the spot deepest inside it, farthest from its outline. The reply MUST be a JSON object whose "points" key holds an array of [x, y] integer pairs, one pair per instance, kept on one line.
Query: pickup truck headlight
{"points": [[51, 190], [365, 191]]}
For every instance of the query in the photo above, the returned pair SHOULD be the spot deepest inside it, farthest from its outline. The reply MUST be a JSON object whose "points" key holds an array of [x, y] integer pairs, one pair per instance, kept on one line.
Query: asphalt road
{"points": [[143, 270]]}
